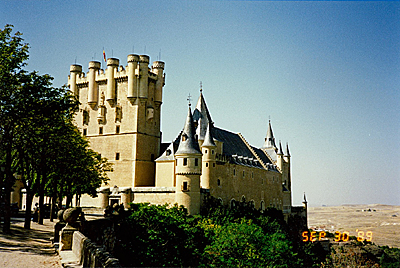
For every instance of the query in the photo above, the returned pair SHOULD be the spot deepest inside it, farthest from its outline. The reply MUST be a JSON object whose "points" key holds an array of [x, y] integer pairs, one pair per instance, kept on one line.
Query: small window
{"points": [[219, 182], [117, 129], [185, 186], [116, 156], [212, 151], [100, 130], [234, 172], [184, 137], [206, 164], [243, 174], [252, 175], [185, 161], [168, 152], [206, 151], [196, 162], [84, 132], [213, 164]]}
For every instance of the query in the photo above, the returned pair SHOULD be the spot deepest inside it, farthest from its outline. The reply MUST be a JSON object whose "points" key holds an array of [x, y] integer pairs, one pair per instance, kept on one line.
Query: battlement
{"points": [[120, 71], [137, 74]]}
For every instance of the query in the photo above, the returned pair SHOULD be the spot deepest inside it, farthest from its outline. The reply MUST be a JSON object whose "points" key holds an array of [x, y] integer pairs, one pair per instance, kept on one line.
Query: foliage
{"points": [[38, 140], [159, 236]]}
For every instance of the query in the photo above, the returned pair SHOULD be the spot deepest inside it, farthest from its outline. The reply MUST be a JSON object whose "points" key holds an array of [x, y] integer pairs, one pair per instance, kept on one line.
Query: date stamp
{"points": [[312, 236]]}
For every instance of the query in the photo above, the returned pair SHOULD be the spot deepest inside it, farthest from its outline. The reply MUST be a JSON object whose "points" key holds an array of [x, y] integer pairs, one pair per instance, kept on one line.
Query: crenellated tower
{"points": [[119, 112]]}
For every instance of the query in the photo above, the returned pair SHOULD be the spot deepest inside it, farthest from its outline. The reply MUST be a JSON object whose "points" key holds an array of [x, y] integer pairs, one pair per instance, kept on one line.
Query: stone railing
{"points": [[85, 253]]}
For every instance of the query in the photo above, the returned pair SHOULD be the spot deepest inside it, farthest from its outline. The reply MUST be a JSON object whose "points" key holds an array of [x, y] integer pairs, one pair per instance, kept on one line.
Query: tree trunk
{"points": [[28, 209], [7, 190], [53, 206]]}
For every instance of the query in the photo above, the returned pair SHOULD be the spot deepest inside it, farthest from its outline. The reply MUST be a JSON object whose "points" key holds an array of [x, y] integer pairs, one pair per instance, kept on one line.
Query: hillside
{"points": [[382, 220]]}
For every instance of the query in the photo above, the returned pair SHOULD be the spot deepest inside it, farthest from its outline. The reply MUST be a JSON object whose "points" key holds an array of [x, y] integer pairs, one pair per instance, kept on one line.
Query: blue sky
{"points": [[326, 73]]}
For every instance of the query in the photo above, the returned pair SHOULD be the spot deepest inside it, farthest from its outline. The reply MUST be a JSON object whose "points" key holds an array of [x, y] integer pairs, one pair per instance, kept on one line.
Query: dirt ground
{"points": [[28, 248], [382, 220]]}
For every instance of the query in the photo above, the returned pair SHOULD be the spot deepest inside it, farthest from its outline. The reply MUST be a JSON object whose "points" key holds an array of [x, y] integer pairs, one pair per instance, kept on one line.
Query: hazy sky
{"points": [[326, 73]]}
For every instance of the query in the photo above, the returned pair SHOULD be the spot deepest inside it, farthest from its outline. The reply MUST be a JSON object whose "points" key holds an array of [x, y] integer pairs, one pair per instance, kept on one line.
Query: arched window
{"points": [[262, 205], [233, 203]]}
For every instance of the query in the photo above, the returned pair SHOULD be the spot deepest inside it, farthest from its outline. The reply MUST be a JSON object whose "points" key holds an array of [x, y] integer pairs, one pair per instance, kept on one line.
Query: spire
{"points": [[305, 199], [287, 150], [208, 139], [188, 143], [269, 139], [202, 116], [280, 151]]}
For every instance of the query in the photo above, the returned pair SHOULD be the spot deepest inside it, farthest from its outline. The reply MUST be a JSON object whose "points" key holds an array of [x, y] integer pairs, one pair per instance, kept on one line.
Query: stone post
{"points": [[104, 193], [126, 196]]}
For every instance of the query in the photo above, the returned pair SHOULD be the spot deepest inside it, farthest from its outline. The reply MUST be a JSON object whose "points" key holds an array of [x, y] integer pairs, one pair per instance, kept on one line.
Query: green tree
{"points": [[13, 54]]}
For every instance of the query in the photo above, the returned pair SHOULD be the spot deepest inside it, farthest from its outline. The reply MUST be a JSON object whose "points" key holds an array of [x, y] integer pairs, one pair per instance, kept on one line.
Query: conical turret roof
{"points": [[202, 116], [188, 144], [269, 139], [208, 139]]}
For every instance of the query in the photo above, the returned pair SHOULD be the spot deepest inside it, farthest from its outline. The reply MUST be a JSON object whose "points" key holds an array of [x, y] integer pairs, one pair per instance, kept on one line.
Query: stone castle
{"points": [[120, 111]]}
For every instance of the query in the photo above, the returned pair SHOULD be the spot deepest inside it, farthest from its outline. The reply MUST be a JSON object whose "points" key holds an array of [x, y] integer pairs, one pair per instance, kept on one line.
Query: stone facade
{"points": [[120, 114]]}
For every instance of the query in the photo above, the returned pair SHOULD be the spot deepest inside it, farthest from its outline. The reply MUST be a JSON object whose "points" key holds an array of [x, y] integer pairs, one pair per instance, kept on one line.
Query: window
{"points": [[213, 164], [219, 182], [196, 162], [100, 130], [212, 151], [117, 129], [116, 156], [243, 173], [185, 161], [185, 186], [234, 172], [206, 164], [84, 132], [205, 150]]}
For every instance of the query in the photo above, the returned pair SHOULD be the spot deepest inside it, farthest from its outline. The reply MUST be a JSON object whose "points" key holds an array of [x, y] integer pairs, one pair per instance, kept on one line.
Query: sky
{"points": [[326, 73]]}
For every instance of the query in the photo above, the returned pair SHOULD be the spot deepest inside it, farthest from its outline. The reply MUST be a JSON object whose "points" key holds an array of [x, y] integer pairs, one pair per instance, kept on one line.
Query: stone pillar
{"points": [[126, 196], [66, 236], [104, 193]]}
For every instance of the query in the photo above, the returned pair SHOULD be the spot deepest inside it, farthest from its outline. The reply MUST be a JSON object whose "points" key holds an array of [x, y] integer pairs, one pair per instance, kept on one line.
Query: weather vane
{"points": [[189, 99], [201, 87]]}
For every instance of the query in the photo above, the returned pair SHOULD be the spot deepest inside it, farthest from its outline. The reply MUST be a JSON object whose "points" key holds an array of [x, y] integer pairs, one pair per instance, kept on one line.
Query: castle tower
{"points": [[209, 158], [188, 168], [119, 112]]}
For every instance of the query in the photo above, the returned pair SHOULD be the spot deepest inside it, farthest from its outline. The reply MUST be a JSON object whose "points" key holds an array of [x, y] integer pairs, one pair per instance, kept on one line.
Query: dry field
{"points": [[382, 220]]}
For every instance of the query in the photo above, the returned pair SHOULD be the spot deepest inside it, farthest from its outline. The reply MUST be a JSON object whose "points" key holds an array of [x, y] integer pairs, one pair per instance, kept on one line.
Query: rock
{"points": [[71, 215]]}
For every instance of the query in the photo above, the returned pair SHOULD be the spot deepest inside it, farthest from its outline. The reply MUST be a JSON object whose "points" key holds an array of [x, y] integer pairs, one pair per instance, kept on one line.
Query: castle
{"points": [[120, 112]]}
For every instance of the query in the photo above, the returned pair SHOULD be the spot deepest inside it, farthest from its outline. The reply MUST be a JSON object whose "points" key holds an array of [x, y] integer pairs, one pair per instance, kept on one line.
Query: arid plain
{"points": [[382, 220]]}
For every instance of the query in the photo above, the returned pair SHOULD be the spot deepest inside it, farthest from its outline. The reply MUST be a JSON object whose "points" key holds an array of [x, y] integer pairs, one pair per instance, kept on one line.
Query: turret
{"points": [[158, 69], [132, 78], [279, 160], [209, 158], [112, 63], [75, 69], [93, 94], [143, 76], [188, 169], [287, 160], [269, 139]]}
